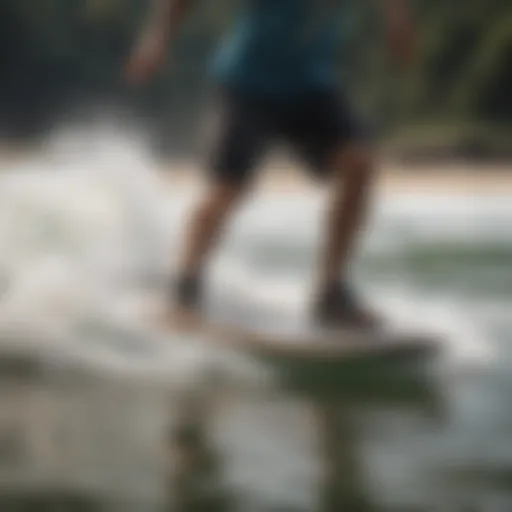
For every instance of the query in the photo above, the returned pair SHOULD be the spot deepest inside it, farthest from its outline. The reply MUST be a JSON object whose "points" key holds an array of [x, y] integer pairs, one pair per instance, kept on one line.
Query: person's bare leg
{"points": [[349, 202], [205, 228]]}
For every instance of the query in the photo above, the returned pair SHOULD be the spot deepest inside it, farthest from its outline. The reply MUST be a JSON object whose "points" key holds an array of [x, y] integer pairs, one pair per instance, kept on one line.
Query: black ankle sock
{"points": [[336, 290], [187, 290]]}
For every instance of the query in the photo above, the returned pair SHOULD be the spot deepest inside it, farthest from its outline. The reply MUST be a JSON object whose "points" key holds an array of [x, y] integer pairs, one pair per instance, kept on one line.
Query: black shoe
{"points": [[185, 299], [338, 307]]}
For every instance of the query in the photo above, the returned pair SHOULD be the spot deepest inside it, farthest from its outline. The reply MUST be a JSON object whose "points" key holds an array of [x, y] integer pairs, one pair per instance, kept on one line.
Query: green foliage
{"points": [[53, 52], [463, 72]]}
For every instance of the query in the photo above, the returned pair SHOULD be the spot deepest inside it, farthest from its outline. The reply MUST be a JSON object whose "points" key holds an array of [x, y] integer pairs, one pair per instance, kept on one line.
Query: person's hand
{"points": [[148, 56], [401, 39]]}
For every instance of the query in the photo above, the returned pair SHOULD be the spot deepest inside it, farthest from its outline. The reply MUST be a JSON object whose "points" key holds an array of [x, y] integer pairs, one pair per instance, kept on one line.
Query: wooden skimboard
{"points": [[303, 341]]}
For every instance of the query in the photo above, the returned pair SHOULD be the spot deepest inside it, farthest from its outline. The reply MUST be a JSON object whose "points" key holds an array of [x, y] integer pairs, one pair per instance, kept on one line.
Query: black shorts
{"points": [[244, 129]]}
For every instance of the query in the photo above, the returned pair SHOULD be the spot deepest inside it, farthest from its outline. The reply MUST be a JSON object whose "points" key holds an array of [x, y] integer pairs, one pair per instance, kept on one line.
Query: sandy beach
{"points": [[443, 177], [453, 178]]}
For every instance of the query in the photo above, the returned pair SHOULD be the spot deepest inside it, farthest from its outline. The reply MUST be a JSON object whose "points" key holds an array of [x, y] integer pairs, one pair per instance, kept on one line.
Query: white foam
{"points": [[82, 229], [80, 233]]}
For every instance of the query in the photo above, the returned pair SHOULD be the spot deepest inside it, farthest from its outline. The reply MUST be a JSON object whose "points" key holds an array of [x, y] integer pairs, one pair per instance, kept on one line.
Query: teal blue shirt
{"points": [[280, 47]]}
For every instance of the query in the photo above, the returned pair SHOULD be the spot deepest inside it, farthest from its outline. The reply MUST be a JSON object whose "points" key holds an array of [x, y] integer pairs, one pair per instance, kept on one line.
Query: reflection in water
{"points": [[69, 442], [195, 469], [345, 485], [335, 404], [343, 479]]}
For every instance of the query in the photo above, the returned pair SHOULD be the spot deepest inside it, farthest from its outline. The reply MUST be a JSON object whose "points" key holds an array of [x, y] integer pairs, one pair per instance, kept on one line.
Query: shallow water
{"points": [[85, 237]]}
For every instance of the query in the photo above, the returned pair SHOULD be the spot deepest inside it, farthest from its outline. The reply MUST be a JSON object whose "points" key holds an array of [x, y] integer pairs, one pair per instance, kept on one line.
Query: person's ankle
{"points": [[334, 285], [187, 289]]}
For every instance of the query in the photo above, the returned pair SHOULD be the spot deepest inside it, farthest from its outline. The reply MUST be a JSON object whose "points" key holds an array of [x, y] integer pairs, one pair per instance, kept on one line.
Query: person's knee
{"points": [[354, 163]]}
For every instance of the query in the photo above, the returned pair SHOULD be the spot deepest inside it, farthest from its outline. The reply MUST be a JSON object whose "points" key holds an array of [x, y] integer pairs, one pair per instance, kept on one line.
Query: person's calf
{"points": [[350, 196], [204, 231], [336, 302]]}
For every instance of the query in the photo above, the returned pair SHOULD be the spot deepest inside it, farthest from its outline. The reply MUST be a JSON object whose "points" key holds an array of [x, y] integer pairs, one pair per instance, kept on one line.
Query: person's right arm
{"points": [[159, 33], [400, 29]]}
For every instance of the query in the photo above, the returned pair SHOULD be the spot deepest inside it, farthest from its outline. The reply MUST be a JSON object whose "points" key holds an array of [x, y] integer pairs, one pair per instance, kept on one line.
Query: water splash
{"points": [[84, 238]]}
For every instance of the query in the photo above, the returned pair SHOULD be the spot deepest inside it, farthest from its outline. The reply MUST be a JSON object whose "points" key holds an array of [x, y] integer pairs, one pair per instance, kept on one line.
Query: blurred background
{"points": [[100, 411], [59, 56]]}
